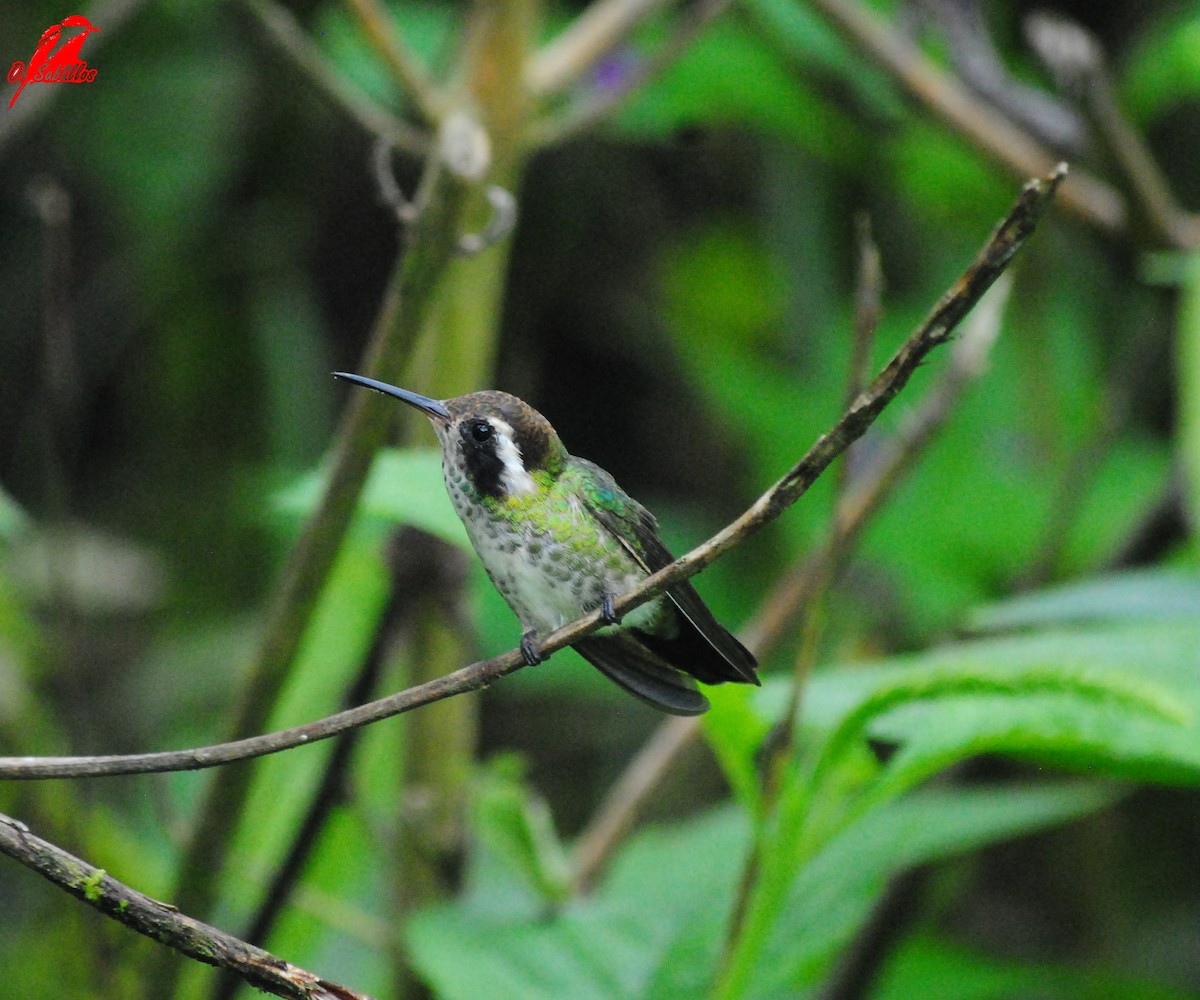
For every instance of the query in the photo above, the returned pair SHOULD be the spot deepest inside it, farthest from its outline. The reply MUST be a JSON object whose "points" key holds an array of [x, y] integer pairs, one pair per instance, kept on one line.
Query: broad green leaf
{"points": [[1111, 701], [605, 946], [1148, 593], [735, 731], [514, 824], [653, 928], [769, 96], [404, 487], [1120, 699], [834, 893]]}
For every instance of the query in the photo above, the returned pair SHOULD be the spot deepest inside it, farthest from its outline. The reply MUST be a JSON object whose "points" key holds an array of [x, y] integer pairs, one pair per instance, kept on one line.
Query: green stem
{"points": [[432, 241]]}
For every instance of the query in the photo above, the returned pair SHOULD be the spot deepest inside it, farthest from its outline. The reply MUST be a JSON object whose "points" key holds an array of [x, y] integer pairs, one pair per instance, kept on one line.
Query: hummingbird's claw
{"points": [[608, 613], [530, 649]]}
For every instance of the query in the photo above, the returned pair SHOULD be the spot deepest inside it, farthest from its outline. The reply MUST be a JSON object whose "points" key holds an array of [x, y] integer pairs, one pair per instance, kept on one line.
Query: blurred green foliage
{"points": [[1007, 696]]}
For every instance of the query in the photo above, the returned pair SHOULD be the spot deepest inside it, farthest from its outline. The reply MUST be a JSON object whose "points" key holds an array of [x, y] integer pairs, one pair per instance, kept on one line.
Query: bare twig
{"points": [[1084, 195], [403, 63], [588, 39], [620, 807], [852, 513], [285, 32], [1076, 57], [162, 922], [990, 263], [600, 102], [979, 65], [868, 304]]}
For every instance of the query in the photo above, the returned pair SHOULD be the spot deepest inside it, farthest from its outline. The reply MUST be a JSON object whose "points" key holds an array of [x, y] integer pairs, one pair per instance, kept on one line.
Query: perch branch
{"points": [[864, 496], [162, 922], [988, 265]]}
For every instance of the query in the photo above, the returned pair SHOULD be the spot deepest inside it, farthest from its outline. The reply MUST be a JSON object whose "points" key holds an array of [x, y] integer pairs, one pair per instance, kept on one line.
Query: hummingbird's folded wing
{"points": [[637, 531]]}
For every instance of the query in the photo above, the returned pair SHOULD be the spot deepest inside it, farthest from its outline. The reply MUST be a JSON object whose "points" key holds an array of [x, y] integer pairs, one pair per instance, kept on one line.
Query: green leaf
{"points": [[735, 731], [834, 893], [1136, 594], [1164, 69], [769, 96], [514, 824], [1120, 699], [404, 487], [604, 946], [1116, 700]]}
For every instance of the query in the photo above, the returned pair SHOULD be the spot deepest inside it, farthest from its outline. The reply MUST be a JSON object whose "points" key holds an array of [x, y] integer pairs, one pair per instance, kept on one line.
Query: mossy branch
{"points": [[163, 922]]}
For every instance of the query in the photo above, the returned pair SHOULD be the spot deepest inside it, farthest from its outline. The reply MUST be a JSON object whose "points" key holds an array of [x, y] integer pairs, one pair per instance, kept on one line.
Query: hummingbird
{"points": [[559, 538]]}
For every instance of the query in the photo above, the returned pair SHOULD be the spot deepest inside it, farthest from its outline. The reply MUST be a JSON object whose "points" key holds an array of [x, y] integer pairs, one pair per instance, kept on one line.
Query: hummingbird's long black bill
{"points": [[430, 407]]}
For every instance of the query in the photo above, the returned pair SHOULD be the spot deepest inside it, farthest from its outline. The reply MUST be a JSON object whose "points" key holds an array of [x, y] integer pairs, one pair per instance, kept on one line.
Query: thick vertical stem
{"points": [[431, 244]]}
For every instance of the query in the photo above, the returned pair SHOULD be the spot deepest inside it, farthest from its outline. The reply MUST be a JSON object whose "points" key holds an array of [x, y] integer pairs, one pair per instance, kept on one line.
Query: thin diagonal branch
{"points": [[1077, 58], [1084, 195], [403, 63], [162, 922], [988, 265], [865, 495], [589, 38], [600, 103], [290, 38]]}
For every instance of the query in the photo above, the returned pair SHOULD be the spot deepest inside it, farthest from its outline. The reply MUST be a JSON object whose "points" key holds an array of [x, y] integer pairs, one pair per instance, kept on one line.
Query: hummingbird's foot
{"points": [[530, 649], [608, 613]]}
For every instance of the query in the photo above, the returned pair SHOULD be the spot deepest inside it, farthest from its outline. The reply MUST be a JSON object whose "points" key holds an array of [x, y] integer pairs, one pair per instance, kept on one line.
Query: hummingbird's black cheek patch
{"points": [[484, 466]]}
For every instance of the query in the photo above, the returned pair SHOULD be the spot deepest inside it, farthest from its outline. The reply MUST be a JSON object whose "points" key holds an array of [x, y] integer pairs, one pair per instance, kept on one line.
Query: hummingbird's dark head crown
{"points": [[501, 442]]}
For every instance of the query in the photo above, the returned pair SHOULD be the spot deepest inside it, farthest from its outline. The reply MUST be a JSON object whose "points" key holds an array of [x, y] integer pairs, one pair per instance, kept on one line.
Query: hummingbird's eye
{"points": [[481, 431]]}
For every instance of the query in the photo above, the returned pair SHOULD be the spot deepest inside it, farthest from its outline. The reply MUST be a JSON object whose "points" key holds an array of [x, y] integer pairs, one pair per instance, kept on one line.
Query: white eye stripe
{"points": [[515, 478]]}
